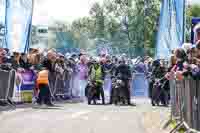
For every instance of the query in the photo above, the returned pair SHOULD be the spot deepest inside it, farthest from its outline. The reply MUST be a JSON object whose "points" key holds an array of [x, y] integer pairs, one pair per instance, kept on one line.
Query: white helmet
{"points": [[187, 46]]}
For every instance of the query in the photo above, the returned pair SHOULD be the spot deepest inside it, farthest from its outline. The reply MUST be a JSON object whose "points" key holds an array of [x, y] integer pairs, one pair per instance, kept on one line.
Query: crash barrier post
{"points": [[174, 114], [7, 79], [186, 104], [174, 100]]}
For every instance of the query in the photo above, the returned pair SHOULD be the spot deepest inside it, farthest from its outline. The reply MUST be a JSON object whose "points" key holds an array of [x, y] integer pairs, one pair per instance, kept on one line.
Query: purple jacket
{"points": [[82, 70]]}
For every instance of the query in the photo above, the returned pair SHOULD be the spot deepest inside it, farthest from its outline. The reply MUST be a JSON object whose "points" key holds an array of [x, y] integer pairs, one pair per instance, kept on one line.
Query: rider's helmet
{"points": [[156, 63]]}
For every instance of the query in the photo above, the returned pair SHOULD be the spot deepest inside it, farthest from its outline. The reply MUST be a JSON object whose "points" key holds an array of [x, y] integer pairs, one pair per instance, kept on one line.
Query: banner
{"points": [[2, 11], [28, 80], [18, 24], [171, 27]]}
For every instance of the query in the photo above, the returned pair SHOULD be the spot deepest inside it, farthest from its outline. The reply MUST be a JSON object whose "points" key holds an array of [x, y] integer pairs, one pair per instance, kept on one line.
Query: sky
{"points": [[63, 10], [46, 11], [194, 1]]}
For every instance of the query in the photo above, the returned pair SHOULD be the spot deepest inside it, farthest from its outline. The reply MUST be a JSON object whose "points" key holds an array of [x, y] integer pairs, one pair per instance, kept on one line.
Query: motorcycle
{"points": [[91, 92], [160, 93], [118, 95]]}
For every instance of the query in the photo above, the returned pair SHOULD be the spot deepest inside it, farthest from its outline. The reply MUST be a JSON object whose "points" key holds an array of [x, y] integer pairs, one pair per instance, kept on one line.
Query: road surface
{"points": [[81, 118]]}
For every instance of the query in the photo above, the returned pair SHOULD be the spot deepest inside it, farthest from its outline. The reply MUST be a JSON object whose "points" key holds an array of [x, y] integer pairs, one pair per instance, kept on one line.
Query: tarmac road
{"points": [[82, 118]]}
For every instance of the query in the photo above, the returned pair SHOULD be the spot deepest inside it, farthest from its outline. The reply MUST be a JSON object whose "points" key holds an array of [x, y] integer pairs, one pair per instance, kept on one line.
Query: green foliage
{"points": [[192, 11], [129, 25]]}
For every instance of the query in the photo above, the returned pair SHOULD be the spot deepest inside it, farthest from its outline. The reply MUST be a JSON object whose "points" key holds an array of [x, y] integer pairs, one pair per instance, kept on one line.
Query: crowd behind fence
{"points": [[20, 86], [185, 102]]}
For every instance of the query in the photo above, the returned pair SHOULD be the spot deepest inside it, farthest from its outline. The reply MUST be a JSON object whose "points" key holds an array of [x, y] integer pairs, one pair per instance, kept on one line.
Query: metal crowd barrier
{"points": [[60, 86], [185, 103], [139, 85], [7, 79]]}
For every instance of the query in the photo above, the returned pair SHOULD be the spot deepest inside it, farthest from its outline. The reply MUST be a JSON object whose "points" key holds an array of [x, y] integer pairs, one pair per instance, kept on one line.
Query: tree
{"points": [[138, 21], [152, 13], [97, 13], [126, 24], [192, 11]]}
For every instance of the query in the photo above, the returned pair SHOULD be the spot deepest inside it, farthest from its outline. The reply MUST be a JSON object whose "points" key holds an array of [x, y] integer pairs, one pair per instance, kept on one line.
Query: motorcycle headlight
{"points": [[119, 81]]}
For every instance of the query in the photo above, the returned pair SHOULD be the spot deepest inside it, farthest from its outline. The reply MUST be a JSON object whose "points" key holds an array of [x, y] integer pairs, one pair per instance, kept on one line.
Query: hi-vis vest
{"points": [[43, 77], [96, 75]]}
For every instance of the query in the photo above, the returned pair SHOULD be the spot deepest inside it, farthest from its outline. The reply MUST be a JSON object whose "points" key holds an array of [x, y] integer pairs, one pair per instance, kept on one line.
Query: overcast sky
{"points": [[194, 1], [65, 10]]}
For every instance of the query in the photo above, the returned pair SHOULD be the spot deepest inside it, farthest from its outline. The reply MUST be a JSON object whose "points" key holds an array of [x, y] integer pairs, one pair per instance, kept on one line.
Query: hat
{"points": [[7, 50], [156, 62], [60, 55], [33, 50], [16, 53], [96, 59], [45, 63], [187, 46]]}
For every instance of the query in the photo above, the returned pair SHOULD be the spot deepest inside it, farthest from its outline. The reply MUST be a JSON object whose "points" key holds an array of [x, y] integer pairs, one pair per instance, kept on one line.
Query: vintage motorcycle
{"points": [[118, 95]]}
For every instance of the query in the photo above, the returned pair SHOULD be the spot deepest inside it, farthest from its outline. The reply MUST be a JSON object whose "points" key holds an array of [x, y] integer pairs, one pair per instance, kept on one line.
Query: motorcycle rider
{"points": [[108, 69], [124, 73], [158, 72]]}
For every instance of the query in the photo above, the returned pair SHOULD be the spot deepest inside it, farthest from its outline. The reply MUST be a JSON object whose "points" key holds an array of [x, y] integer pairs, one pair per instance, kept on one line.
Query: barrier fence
{"points": [[185, 94], [7, 79], [139, 85], [20, 85], [185, 103]]}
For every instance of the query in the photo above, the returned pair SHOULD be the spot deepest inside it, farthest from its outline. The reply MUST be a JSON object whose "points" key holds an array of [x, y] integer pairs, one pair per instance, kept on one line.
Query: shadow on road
{"points": [[48, 108], [26, 106]]}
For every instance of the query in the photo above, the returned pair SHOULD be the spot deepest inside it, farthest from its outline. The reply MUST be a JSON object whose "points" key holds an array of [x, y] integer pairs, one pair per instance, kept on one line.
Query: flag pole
{"points": [[5, 24], [184, 21], [29, 31]]}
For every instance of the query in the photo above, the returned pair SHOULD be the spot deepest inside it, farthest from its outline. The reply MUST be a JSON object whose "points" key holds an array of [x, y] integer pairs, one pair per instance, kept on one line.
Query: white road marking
{"points": [[80, 113]]}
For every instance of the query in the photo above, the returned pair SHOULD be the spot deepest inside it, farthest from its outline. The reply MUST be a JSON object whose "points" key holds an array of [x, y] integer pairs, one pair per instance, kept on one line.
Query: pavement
{"points": [[82, 118]]}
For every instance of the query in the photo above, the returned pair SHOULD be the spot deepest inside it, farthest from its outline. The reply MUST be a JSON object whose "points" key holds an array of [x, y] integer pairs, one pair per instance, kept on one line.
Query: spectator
{"points": [[16, 60], [83, 71], [43, 86]]}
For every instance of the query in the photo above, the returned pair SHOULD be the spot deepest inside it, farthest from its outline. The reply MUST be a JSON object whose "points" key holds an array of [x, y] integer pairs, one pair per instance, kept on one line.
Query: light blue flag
{"points": [[2, 11], [171, 27], [18, 23]]}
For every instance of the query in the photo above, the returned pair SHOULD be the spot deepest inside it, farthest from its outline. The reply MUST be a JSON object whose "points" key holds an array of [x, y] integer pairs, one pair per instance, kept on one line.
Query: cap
{"points": [[60, 55]]}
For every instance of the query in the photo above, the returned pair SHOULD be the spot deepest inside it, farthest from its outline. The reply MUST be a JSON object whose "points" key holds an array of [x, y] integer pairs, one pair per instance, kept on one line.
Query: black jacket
{"points": [[123, 71]]}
